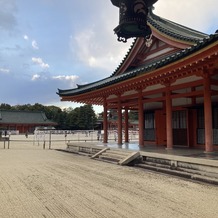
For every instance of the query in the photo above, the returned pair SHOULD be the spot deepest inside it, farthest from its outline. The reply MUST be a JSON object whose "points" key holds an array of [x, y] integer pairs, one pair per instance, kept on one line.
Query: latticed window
{"points": [[179, 120], [149, 127], [200, 114], [215, 118], [149, 121], [201, 118]]}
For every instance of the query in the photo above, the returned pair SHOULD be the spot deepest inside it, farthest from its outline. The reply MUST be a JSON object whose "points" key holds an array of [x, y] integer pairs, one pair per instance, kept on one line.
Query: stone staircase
{"points": [[199, 170], [117, 156]]}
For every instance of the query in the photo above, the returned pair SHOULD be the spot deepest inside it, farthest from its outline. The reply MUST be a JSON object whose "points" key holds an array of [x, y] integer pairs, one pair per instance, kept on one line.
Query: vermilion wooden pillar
{"points": [[208, 115], [141, 119], [105, 122], [126, 125], [169, 128], [119, 112]]}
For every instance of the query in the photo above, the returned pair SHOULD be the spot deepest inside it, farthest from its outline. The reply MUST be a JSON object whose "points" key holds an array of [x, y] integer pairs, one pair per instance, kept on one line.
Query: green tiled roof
{"points": [[175, 30], [24, 117], [139, 70], [170, 29], [96, 85]]}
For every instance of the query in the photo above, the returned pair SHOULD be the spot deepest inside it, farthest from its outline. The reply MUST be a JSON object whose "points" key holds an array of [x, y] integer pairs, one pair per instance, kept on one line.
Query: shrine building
{"points": [[23, 121], [172, 83]]}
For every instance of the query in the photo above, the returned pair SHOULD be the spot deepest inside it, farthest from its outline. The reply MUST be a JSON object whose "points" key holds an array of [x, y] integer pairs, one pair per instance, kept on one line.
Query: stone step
{"points": [[111, 156], [121, 158], [187, 175], [121, 152], [83, 148], [106, 160], [111, 159], [156, 164], [132, 158], [99, 153], [157, 160], [199, 172]]}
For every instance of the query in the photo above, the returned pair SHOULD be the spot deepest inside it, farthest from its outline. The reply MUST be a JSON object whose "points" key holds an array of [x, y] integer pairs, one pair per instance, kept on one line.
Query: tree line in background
{"points": [[82, 117]]}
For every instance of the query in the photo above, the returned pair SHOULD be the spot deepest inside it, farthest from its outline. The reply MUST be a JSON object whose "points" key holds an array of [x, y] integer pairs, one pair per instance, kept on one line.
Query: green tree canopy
{"points": [[83, 117]]}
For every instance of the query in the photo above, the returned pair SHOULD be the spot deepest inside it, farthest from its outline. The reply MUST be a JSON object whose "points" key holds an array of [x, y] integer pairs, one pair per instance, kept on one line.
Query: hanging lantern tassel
{"points": [[149, 41]]}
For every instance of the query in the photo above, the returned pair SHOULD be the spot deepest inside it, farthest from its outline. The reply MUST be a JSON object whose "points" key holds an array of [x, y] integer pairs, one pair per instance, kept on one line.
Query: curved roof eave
{"points": [[171, 30], [175, 30], [131, 74]]}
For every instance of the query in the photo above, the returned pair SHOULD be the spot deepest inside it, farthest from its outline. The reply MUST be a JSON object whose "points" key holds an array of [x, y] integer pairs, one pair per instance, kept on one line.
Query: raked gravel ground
{"points": [[49, 183]]}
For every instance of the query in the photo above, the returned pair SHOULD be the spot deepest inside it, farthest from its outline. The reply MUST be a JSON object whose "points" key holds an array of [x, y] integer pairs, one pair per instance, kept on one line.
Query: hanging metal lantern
{"points": [[133, 18]]}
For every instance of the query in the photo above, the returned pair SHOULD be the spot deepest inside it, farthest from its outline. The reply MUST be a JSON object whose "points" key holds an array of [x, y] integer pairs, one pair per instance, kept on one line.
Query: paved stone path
{"points": [[48, 183]]}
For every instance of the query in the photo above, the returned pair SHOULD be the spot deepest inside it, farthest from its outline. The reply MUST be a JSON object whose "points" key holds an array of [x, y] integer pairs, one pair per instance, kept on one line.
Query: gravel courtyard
{"points": [[49, 183]]}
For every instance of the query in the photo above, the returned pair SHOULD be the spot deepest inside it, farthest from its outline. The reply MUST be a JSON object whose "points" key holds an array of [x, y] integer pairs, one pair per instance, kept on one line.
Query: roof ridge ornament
{"points": [[133, 19]]}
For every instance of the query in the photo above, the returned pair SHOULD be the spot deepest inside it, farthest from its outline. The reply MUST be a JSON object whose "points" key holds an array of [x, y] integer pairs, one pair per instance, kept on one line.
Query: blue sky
{"points": [[51, 44]]}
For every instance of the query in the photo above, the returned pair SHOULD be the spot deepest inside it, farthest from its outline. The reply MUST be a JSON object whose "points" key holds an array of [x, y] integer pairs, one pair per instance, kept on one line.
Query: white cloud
{"points": [[92, 61], [199, 15], [26, 37], [4, 70], [40, 62], [99, 51], [35, 45], [68, 80], [84, 41], [35, 77], [73, 79]]}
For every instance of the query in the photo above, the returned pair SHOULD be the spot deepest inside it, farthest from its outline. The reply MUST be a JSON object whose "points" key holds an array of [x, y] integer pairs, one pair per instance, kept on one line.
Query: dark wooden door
{"points": [[180, 136], [160, 124]]}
